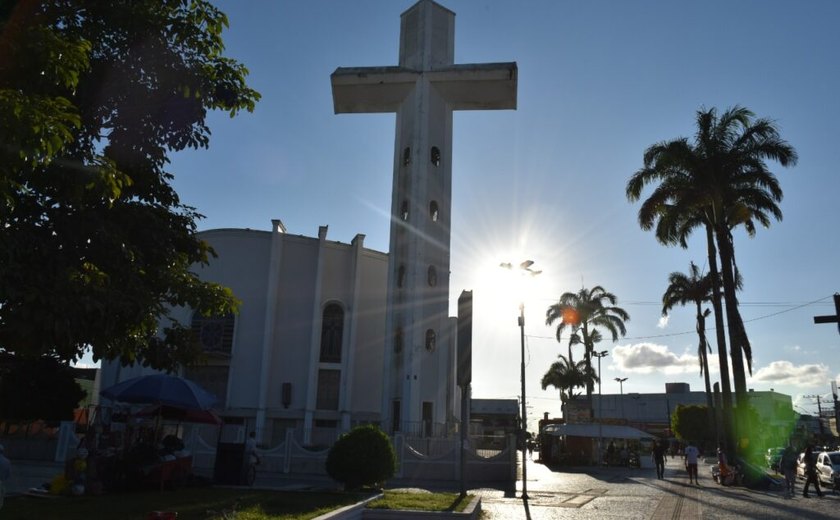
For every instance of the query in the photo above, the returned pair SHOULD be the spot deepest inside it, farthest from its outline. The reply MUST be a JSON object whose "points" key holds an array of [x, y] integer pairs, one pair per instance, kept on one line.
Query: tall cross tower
{"points": [[422, 90]]}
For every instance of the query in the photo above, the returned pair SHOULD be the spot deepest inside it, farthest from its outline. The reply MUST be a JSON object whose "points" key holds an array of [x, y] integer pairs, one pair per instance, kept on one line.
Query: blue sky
{"points": [[599, 82]]}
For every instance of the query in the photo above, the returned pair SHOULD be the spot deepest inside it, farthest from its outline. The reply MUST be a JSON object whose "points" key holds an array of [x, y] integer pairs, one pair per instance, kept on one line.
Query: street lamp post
{"points": [[600, 355], [524, 411], [526, 267], [621, 381]]}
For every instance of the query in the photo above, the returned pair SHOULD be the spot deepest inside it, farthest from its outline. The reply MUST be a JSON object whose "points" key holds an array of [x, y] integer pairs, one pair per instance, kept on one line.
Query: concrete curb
{"points": [[352, 512], [359, 511], [472, 511]]}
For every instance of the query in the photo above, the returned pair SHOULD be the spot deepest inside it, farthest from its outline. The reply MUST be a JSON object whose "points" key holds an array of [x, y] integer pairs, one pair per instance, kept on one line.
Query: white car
{"points": [[828, 468], [800, 465]]}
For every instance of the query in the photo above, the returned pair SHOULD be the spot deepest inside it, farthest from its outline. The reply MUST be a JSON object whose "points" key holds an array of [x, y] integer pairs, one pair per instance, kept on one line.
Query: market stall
{"points": [[577, 444], [152, 450]]}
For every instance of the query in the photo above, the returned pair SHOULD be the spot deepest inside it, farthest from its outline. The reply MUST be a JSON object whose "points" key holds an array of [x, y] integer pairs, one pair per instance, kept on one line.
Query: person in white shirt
{"points": [[691, 455]]}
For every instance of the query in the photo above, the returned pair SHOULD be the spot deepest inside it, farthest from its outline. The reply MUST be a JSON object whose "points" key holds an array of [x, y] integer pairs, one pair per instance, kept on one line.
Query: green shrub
{"points": [[361, 457]]}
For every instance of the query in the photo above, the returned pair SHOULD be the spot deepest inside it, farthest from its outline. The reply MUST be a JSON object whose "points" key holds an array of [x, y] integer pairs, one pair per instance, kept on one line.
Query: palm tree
{"points": [[697, 289], [719, 182], [566, 375], [584, 312], [675, 209]]}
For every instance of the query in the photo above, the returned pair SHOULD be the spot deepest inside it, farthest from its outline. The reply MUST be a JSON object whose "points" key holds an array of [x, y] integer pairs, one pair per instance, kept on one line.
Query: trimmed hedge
{"points": [[362, 457]]}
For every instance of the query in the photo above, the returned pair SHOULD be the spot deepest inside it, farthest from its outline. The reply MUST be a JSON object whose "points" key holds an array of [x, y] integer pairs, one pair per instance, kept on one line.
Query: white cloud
{"points": [[645, 358], [663, 321], [786, 373]]}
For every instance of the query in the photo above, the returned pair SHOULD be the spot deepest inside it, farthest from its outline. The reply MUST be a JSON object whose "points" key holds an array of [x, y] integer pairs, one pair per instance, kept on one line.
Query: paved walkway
{"points": [[29, 474], [585, 493], [636, 494]]}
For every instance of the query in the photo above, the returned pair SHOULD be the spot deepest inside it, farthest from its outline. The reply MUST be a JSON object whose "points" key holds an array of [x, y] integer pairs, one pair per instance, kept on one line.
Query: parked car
{"points": [[773, 456], [828, 468], [800, 465]]}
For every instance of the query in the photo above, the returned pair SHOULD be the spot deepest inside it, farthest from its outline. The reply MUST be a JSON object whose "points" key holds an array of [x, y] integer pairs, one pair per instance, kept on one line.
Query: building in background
{"points": [[652, 412]]}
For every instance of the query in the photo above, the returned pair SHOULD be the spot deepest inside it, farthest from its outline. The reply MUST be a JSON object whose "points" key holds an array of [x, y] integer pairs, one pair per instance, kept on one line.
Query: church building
{"points": [[332, 335], [305, 350]]}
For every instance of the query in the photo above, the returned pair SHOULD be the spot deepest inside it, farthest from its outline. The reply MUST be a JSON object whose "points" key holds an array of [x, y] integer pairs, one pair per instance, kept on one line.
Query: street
{"points": [[636, 494]]}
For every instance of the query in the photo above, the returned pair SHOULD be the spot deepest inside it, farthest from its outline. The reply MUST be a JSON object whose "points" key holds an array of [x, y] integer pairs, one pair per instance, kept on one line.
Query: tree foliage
{"points": [[361, 457], [716, 182], [691, 423], [584, 313], [41, 388], [565, 376], [696, 288], [95, 245]]}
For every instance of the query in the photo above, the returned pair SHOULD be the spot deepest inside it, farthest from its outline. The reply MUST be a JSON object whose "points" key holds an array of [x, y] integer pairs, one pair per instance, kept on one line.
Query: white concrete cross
{"points": [[423, 90]]}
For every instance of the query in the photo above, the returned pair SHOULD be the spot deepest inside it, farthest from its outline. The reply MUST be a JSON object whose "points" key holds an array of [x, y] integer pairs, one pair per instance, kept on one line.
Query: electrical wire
{"points": [[672, 334]]}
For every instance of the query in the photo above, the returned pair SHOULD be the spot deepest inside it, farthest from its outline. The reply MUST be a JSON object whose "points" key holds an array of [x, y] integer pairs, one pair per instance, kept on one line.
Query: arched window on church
{"points": [[431, 340], [404, 210], [435, 156], [432, 276], [434, 212], [332, 328], [213, 334], [401, 275], [406, 158]]}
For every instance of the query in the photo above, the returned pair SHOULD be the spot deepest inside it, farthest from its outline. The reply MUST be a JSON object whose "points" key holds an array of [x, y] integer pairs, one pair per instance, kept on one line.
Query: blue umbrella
{"points": [[161, 389]]}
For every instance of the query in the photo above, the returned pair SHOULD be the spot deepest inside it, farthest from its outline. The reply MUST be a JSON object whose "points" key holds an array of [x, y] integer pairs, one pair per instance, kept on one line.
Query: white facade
{"points": [[275, 374], [422, 90]]}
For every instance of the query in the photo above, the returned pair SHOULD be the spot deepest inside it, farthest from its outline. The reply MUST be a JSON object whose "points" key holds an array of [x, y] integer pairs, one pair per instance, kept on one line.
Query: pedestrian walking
{"points": [[788, 466], [5, 473], [691, 455], [811, 473], [658, 455], [251, 459]]}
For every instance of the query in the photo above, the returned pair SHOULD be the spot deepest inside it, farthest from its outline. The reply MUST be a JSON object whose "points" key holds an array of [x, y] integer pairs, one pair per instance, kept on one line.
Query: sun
{"points": [[498, 290]]}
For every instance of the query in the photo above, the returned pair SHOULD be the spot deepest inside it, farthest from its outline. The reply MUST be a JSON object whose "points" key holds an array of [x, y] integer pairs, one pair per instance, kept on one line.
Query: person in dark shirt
{"points": [[788, 466], [811, 473], [658, 455]]}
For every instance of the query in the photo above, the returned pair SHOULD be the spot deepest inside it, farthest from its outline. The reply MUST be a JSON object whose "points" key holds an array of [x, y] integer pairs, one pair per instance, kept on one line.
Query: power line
{"points": [[672, 334]]}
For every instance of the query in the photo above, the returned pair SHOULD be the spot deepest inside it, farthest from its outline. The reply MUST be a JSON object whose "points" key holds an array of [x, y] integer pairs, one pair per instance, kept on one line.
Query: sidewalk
{"points": [[31, 473], [636, 494]]}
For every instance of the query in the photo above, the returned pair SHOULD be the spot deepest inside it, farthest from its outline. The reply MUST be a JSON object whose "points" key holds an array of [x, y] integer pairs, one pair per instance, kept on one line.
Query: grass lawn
{"points": [[421, 501], [190, 504]]}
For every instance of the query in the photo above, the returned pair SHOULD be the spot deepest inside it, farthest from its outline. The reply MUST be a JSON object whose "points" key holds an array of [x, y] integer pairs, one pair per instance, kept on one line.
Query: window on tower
{"points": [[435, 156], [434, 212], [406, 158], [400, 276], [398, 340], [404, 210], [431, 340], [432, 276], [395, 415]]}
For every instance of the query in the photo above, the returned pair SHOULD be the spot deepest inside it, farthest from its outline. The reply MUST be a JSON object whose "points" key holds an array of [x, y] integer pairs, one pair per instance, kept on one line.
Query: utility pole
{"points": [[819, 413], [834, 400]]}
